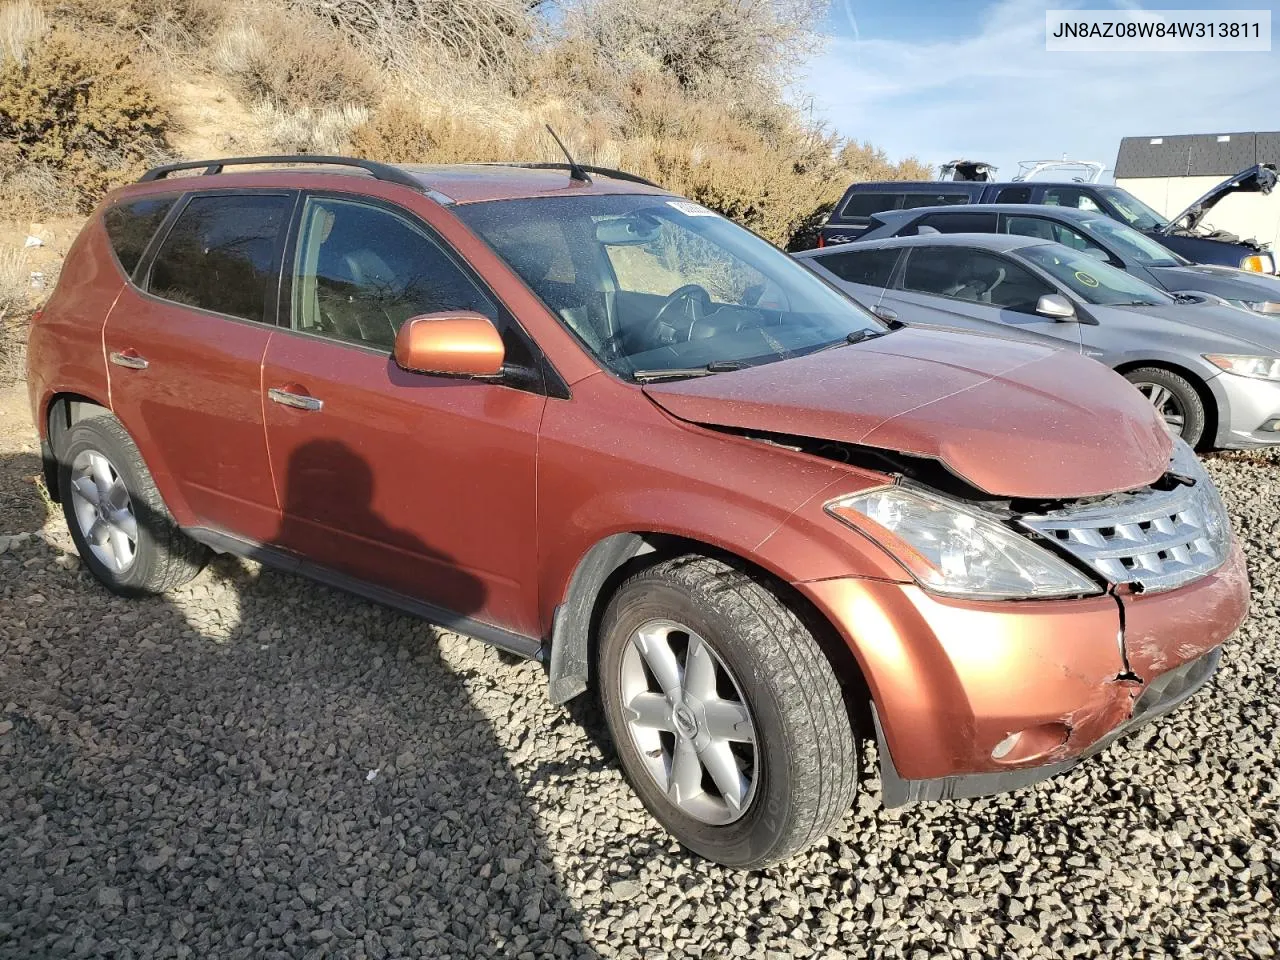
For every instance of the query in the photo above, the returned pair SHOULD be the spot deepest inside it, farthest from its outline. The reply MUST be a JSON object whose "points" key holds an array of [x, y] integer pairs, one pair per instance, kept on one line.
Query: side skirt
{"points": [[513, 643]]}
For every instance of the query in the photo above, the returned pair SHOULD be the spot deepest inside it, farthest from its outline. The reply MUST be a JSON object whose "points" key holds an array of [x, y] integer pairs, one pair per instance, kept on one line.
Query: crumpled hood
{"points": [[1013, 419]]}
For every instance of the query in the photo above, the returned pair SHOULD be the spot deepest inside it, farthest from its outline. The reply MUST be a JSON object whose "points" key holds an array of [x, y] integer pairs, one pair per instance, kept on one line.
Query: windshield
{"points": [[1132, 245], [1092, 280], [653, 283], [1135, 213]]}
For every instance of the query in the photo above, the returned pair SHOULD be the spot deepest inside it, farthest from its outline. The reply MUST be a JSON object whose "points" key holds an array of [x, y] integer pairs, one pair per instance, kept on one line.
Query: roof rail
{"points": [[379, 171], [603, 171]]}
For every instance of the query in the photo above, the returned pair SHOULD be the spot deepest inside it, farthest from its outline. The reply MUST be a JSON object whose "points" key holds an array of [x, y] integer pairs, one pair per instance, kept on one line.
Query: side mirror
{"points": [[455, 343], [1057, 306]]}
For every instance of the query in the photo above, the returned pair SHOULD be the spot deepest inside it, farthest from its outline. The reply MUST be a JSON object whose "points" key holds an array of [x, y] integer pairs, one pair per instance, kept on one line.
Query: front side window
{"points": [[130, 226], [871, 267], [976, 276], [1132, 210], [361, 271], [1014, 195], [223, 254], [1091, 280], [1044, 229], [1133, 245], [1070, 197], [654, 283]]}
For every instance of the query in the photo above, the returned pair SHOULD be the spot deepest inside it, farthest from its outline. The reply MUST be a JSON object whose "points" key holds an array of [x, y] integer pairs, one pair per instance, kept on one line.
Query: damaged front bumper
{"points": [[979, 697]]}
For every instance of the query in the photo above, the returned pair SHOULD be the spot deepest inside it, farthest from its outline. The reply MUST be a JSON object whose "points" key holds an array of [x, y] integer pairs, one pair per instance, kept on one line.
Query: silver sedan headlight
{"points": [[1260, 368]]}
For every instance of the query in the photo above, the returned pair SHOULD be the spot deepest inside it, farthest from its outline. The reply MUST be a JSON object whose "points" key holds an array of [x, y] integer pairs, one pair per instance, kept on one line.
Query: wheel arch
{"points": [[62, 412], [1198, 383], [609, 561]]}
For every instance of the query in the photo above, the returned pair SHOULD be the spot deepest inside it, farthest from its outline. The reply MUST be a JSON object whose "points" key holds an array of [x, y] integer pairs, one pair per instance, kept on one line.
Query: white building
{"points": [[1171, 173]]}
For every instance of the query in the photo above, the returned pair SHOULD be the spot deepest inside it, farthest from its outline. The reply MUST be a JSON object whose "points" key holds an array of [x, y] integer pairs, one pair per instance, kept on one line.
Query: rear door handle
{"points": [[129, 359], [299, 401], [888, 314]]}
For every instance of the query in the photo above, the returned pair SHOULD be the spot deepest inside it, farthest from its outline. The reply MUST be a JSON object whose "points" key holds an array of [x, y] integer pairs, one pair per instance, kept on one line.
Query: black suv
{"points": [[852, 215]]}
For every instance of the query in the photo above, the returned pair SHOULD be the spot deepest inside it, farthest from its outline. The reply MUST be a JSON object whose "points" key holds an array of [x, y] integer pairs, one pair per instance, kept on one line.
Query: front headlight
{"points": [[1260, 368], [1263, 306], [953, 549], [1259, 263]]}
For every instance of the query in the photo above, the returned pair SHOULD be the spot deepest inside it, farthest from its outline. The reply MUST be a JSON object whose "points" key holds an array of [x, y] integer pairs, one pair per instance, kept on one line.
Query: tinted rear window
{"points": [[223, 254], [869, 204], [913, 200], [131, 225], [872, 267]]}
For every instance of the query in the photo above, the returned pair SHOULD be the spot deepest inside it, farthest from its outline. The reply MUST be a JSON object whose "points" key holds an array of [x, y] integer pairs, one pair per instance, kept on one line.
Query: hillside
{"points": [[94, 91]]}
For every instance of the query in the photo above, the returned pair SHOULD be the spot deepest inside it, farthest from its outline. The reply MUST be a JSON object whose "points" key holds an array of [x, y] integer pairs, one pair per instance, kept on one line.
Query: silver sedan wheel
{"points": [[104, 511], [1167, 405], [689, 721]]}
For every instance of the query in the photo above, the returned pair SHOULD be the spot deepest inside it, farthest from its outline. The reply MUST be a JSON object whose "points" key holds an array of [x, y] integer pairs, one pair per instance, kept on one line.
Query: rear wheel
{"points": [[727, 716], [120, 525], [1175, 399]]}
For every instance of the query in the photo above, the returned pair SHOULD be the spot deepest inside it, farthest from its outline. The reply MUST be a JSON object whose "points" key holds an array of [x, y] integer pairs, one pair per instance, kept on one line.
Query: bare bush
{"points": [[755, 42], [293, 60], [324, 130], [489, 33], [22, 25]]}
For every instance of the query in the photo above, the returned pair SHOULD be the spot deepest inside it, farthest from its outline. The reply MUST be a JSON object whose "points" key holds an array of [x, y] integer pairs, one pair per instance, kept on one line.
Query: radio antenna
{"points": [[575, 172]]}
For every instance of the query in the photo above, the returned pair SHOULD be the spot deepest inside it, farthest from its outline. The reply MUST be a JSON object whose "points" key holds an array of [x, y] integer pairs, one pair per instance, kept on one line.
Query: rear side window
{"points": [[1070, 197], [912, 200], [869, 204], [223, 254], [872, 267], [1014, 195], [952, 223], [131, 225]]}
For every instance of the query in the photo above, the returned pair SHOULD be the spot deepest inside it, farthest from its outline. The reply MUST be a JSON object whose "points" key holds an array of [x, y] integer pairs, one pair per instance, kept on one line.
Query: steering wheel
{"points": [[693, 303]]}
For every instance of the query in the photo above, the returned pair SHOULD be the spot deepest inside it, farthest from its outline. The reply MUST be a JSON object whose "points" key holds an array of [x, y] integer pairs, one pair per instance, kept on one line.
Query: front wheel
{"points": [[727, 716], [1175, 399]]}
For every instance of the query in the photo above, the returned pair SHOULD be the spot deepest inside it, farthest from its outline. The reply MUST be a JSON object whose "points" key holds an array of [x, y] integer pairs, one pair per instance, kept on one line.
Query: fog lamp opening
{"points": [[1031, 744]]}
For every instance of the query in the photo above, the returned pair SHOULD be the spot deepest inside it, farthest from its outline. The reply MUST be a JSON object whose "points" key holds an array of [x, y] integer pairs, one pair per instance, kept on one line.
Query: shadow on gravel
{"points": [[21, 508], [320, 784]]}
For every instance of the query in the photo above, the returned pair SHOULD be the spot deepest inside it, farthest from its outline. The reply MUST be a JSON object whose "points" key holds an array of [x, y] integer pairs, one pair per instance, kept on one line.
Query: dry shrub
{"points": [[14, 303], [324, 130], [22, 25], [33, 191], [293, 60], [81, 106], [400, 133]]}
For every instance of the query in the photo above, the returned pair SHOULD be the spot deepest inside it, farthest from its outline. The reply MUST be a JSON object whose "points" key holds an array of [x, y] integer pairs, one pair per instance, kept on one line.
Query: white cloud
{"points": [[998, 96]]}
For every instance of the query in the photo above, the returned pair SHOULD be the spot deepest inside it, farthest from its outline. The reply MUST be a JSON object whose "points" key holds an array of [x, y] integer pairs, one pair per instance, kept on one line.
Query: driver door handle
{"points": [[291, 398]]}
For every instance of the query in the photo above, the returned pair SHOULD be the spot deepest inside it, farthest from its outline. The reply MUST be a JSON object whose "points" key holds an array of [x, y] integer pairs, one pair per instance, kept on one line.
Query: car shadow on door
{"points": [[315, 781]]}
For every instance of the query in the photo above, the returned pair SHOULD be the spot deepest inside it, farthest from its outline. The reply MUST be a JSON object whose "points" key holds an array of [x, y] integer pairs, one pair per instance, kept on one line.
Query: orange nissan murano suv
{"points": [[563, 411]]}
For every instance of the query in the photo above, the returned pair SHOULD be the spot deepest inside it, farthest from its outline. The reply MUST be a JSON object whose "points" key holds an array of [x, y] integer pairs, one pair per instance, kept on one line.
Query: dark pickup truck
{"points": [[1183, 234]]}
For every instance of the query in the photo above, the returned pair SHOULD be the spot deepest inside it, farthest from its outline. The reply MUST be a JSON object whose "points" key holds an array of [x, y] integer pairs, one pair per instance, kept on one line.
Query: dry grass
{"points": [[324, 130], [22, 25], [14, 302]]}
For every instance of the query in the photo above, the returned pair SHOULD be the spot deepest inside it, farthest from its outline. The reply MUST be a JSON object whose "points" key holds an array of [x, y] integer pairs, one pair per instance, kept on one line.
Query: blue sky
{"points": [[940, 79]]}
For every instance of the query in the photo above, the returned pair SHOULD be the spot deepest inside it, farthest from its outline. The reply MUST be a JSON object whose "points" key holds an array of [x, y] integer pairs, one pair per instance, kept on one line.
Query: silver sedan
{"points": [[1211, 369]]}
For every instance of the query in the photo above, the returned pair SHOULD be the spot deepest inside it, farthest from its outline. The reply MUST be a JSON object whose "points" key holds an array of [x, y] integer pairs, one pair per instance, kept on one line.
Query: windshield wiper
{"points": [[857, 336], [674, 373]]}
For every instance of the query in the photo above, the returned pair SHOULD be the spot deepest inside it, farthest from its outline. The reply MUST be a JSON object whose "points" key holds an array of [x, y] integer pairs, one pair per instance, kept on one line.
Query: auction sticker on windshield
{"points": [[691, 209]]}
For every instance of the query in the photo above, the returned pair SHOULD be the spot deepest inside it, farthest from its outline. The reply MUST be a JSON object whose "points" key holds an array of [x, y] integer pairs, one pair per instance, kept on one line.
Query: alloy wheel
{"points": [[689, 722], [104, 511], [1167, 405]]}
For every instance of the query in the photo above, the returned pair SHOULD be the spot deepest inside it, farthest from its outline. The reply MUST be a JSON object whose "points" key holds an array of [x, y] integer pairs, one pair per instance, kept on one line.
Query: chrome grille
{"points": [[1153, 539]]}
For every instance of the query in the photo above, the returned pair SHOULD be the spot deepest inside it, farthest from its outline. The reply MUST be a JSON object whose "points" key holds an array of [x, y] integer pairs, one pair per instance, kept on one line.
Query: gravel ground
{"points": [[257, 766]]}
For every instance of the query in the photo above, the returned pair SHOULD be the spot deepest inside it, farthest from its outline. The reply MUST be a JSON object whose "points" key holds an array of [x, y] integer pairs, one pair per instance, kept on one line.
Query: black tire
{"points": [[805, 767], [1182, 397], [164, 556]]}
